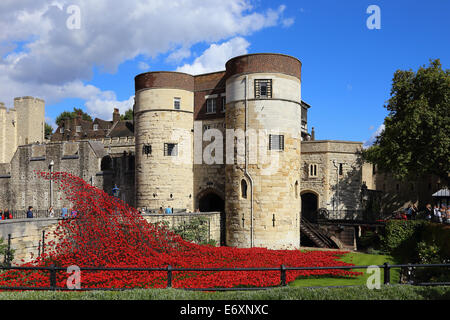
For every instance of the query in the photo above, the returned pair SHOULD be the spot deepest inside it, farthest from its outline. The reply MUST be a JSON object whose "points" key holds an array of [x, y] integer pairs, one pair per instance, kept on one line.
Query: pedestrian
{"points": [[30, 212], [160, 211], [64, 213], [428, 212], [51, 212], [6, 214], [408, 212], [73, 213], [168, 210]]}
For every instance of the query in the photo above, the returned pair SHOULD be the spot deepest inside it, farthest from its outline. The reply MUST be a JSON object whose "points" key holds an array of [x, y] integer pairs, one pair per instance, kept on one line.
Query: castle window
{"points": [[244, 189], [61, 130], [176, 103], [276, 142], [296, 189], [374, 169], [341, 169], [95, 127], [224, 102], [78, 128], [211, 106], [312, 170], [147, 149], [170, 149], [263, 88]]}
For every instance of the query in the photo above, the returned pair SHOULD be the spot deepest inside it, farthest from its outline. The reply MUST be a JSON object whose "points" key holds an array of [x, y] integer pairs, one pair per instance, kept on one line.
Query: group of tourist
{"points": [[5, 214], [438, 214]]}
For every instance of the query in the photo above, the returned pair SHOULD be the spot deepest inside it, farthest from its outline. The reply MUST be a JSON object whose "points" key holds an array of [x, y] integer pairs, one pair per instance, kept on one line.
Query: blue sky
{"points": [[346, 74]]}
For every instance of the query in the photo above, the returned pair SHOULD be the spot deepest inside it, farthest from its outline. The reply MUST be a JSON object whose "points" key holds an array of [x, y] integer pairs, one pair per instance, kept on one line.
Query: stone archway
{"points": [[310, 205], [210, 201]]}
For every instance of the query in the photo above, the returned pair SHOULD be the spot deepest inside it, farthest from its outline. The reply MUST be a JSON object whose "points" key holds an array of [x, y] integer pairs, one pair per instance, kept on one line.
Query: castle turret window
{"points": [[176, 103], [276, 142], [171, 149], [263, 88]]}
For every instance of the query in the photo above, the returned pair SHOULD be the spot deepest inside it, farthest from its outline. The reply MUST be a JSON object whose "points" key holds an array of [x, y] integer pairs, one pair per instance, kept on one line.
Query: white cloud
{"points": [[40, 56], [288, 22], [214, 58], [373, 137], [102, 107], [143, 66]]}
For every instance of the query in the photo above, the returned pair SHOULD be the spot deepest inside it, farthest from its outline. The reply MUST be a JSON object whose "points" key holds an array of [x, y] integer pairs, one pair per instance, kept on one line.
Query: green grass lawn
{"points": [[358, 259]]}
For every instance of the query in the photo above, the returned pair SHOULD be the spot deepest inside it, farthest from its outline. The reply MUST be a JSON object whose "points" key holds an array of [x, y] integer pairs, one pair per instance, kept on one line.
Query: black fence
{"points": [[22, 214], [52, 270]]}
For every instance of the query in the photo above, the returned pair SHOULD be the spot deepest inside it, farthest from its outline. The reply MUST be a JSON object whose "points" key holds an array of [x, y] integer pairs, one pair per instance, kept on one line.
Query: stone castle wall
{"points": [[335, 190], [25, 188]]}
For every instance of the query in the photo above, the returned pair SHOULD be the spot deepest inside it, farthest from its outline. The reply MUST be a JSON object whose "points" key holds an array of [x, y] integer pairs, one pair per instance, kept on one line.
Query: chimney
{"points": [[313, 134], [116, 115]]}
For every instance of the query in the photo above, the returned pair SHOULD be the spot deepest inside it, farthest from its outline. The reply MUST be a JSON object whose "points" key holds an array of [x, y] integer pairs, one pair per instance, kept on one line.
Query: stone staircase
{"points": [[316, 235]]}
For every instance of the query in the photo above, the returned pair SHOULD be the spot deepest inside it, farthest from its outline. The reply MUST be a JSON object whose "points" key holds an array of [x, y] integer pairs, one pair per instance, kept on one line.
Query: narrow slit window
{"points": [[244, 189]]}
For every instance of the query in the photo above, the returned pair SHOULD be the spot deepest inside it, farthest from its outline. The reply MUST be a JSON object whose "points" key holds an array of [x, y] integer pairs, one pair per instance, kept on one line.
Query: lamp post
{"points": [[51, 165]]}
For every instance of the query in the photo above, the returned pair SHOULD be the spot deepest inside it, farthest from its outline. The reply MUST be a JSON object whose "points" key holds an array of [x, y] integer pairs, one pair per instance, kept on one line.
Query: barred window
{"points": [[171, 149], [276, 142], [211, 106], [263, 88], [341, 169], [95, 127]]}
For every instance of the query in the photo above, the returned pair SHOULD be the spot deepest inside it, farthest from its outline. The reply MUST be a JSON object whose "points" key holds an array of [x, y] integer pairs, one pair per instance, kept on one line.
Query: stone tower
{"points": [[263, 95], [24, 124], [30, 120], [164, 121]]}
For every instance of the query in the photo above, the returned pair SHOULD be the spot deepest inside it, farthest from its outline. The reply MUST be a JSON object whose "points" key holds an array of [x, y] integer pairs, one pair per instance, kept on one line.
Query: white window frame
{"points": [[78, 128], [95, 127], [211, 103], [313, 170]]}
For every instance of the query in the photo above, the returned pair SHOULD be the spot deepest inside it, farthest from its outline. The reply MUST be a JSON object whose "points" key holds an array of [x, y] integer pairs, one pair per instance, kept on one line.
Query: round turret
{"points": [[263, 96], [163, 115]]}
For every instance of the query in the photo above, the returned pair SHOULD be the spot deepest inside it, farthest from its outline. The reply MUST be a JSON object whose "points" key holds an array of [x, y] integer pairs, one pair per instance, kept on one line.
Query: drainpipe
{"points": [[52, 163], [245, 168], [337, 186]]}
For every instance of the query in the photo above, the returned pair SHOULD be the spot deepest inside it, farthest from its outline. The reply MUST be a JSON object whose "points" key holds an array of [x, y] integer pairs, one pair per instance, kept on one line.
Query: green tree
{"points": [[48, 130], [416, 138], [72, 115], [128, 115]]}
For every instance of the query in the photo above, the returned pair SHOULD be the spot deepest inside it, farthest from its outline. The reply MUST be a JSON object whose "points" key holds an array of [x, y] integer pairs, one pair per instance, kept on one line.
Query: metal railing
{"points": [[52, 270]]}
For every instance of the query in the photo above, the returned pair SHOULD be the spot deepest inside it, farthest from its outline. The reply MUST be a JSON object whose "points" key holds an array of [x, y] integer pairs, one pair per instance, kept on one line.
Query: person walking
{"points": [[6, 214], [51, 212], [161, 211], [64, 213], [168, 210], [428, 212], [30, 212]]}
